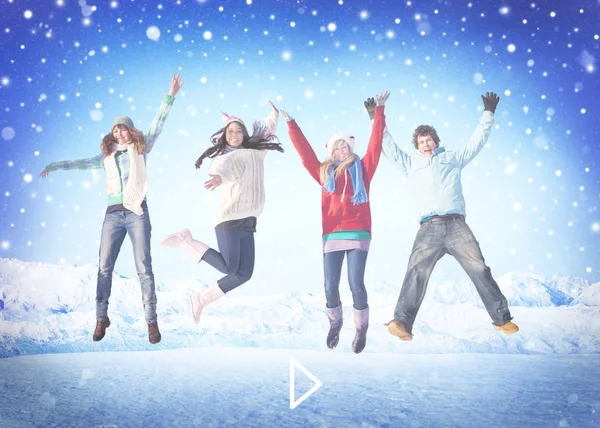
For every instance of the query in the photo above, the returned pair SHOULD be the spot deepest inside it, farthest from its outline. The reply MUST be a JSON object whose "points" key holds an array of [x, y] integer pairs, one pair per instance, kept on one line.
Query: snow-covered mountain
{"points": [[48, 308]]}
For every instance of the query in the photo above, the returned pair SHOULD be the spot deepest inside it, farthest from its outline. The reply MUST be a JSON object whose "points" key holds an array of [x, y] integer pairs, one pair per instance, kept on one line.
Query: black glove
{"points": [[370, 106], [490, 101]]}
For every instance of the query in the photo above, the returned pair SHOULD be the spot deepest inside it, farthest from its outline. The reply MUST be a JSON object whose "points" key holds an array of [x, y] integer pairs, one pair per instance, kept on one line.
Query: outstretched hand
{"points": [[382, 98], [214, 182], [370, 106], [273, 106], [44, 173], [286, 116], [490, 101], [176, 84]]}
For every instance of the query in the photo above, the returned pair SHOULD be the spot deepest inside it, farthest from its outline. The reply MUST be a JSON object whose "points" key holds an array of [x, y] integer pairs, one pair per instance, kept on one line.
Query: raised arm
{"points": [[90, 163], [371, 158], [482, 132], [158, 122], [389, 147], [271, 119], [302, 146]]}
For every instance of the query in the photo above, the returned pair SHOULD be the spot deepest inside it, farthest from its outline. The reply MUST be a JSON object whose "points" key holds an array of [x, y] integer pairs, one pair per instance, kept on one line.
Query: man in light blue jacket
{"points": [[435, 175]]}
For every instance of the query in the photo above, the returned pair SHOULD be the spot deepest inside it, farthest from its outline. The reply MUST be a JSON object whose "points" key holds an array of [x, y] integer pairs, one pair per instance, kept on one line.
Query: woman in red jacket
{"points": [[345, 181]]}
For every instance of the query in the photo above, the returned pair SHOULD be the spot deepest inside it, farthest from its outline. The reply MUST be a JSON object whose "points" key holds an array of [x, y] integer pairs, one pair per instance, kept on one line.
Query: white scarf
{"points": [[137, 183]]}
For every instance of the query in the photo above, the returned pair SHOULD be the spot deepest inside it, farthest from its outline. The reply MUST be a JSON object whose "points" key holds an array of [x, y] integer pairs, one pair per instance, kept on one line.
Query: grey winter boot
{"points": [[335, 325], [361, 321]]}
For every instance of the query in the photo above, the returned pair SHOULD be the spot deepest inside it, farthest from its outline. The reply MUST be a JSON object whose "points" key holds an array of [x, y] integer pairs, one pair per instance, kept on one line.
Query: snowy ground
{"points": [[244, 387], [50, 309], [233, 370]]}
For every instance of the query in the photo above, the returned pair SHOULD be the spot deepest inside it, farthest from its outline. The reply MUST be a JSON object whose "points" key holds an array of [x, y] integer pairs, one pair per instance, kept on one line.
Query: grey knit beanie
{"points": [[123, 120]]}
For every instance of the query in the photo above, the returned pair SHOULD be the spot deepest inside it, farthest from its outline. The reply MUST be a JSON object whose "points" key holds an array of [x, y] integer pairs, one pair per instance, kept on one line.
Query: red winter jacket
{"points": [[338, 215]]}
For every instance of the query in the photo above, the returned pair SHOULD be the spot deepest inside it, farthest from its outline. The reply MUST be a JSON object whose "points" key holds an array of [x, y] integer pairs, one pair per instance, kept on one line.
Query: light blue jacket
{"points": [[436, 180]]}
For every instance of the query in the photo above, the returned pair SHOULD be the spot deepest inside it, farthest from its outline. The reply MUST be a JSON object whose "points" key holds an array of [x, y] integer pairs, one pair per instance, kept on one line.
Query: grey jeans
{"points": [[434, 240]]}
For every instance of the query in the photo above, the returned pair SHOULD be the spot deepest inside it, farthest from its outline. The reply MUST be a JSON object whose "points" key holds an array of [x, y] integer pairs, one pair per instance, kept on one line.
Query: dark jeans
{"points": [[332, 266], [116, 225], [234, 258], [433, 241]]}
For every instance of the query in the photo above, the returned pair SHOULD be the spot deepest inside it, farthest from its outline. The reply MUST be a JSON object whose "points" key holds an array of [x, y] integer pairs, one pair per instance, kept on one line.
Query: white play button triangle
{"points": [[293, 364]]}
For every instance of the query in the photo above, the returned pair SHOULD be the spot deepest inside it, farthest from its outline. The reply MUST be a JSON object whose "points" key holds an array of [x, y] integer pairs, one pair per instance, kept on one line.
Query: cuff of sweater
{"points": [[169, 99], [223, 174]]}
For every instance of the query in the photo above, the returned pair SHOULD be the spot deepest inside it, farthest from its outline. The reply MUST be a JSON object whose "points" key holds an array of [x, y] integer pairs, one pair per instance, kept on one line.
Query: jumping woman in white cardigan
{"points": [[238, 165], [124, 152]]}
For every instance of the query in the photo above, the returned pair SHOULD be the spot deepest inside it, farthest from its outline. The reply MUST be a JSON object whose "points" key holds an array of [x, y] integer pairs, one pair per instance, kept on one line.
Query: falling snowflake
{"points": [[153, 33]]}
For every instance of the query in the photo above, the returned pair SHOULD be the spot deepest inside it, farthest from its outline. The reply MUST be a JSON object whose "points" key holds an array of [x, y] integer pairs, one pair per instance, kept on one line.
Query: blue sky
{"points": [[68, 68]]}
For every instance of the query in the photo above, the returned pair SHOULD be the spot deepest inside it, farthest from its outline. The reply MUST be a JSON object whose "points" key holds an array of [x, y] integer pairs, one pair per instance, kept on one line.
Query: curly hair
{"points": [[109, 141], [261, 139], [424, 131]]}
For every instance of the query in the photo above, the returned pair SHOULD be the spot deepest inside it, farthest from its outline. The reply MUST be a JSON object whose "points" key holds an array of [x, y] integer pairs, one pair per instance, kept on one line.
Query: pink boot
{"points": [[184, 240], [199, 301]]}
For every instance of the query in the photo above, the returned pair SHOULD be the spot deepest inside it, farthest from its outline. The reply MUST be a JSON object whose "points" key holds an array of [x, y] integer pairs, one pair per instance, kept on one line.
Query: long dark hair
{"points": [[262, 139]]}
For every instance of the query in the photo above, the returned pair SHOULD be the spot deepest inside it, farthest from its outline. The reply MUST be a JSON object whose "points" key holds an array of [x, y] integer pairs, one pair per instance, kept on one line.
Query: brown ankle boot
{"points": [[398, 330], [508, 328], [100, 330], [153, 333]]}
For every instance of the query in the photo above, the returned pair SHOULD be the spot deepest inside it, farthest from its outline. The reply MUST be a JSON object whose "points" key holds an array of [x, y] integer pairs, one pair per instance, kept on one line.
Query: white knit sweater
{"points": [[243, 188], [242, 172]]}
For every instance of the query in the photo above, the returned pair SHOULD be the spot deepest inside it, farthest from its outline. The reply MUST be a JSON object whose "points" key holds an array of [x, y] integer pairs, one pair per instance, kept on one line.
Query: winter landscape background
{"points": [[51, 309], [69, 67], [233, 369]]}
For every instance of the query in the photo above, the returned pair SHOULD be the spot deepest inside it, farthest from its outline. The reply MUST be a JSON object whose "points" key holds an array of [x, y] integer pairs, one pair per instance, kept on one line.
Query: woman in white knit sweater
{"points": [[238, 165]]}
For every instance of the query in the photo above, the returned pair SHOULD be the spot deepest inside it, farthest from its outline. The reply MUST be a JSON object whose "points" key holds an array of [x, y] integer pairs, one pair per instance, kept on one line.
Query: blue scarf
{"points": [[229, 149], [360, 194]]}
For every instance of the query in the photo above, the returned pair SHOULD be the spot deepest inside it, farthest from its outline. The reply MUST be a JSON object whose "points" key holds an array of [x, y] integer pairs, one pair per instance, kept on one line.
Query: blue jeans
{"points": [[116, 225], [235, 257], [332, 267], [433, 241]]}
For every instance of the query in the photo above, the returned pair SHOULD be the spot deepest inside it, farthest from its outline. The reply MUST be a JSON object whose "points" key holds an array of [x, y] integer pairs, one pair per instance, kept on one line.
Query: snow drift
{"points": [[47, 308]]}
